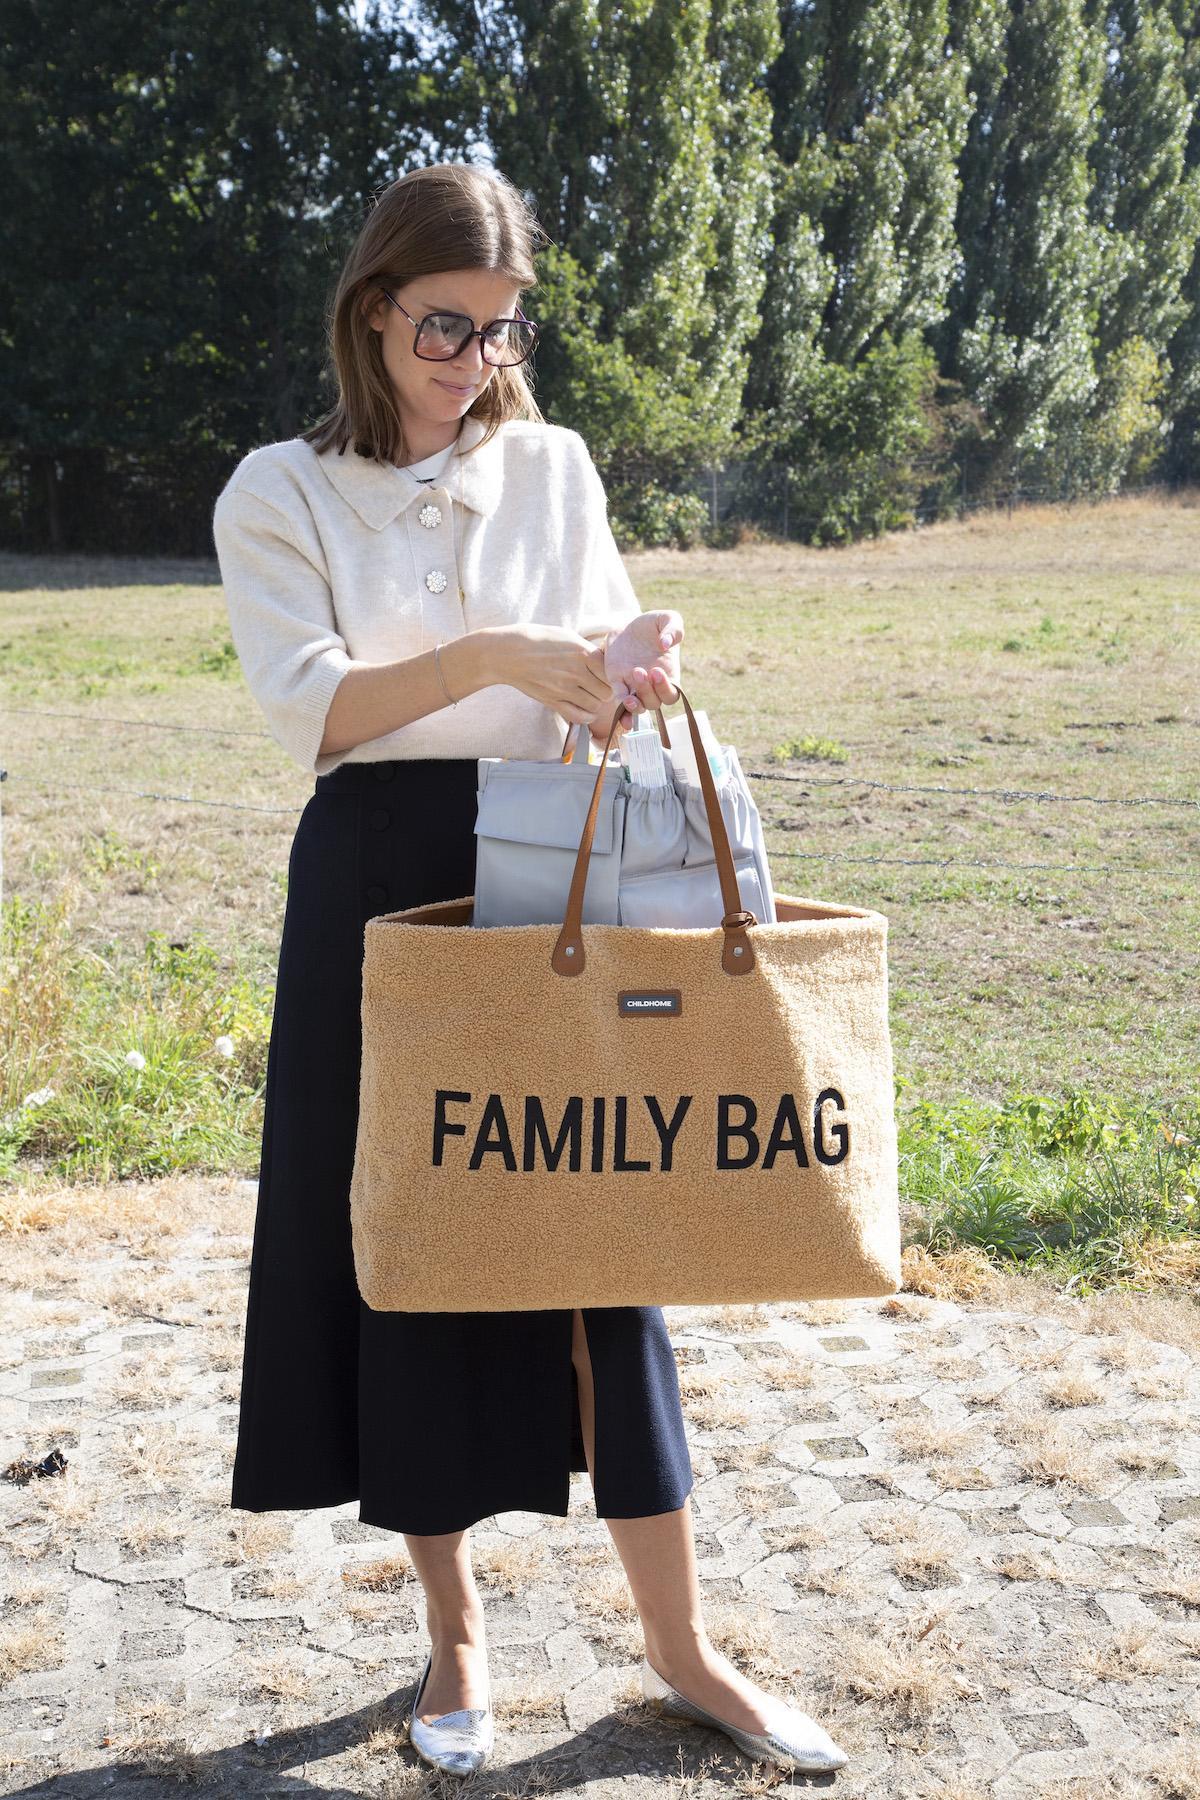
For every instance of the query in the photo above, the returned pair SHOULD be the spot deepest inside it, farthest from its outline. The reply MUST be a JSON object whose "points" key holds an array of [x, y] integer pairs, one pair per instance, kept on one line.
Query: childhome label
{"points": [[629, 1133]]}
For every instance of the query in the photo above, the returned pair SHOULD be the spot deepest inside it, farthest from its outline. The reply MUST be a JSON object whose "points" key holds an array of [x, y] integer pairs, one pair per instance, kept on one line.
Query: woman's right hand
{"points": [[553, 664]]}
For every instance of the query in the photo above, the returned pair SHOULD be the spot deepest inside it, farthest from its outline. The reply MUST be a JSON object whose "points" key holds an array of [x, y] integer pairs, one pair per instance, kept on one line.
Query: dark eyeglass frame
{"points": [[468, 334]]}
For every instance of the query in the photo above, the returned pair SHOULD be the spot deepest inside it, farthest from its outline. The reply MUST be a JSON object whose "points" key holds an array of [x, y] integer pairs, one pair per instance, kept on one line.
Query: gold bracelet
{"points": [[437, 663]]}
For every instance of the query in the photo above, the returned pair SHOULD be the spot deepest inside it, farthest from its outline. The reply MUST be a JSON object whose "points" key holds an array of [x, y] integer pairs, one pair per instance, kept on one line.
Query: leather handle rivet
{"points": [[570, 949], [737, 949]]}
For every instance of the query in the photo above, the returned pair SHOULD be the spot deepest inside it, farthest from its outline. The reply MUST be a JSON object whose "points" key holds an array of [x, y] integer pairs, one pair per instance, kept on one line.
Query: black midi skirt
{"points": [[431, 1421]]}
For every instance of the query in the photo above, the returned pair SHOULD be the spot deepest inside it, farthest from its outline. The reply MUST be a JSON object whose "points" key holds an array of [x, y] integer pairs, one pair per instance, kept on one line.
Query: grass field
{"points": [[959, 1522], [1042, 946]]}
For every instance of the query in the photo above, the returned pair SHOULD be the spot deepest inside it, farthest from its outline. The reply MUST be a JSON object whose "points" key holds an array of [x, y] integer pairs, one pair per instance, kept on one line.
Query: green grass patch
{"points": [[1092, 1190], [144, 1060], [810, 749]]}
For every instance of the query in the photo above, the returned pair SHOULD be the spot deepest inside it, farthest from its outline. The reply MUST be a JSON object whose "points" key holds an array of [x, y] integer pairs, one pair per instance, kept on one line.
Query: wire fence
{"points": [[780, 496], [804, 777], [1008, 796]]}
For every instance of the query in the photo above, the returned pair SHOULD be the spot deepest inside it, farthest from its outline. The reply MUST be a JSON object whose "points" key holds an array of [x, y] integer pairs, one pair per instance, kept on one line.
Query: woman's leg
{"points": [[660, 1562], [455, 1621]]}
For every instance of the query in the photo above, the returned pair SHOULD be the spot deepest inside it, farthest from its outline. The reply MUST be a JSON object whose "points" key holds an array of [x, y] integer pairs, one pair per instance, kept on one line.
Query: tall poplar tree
{"points": [[870, 112], [1025, 310], [1182, 456], [1147, 202]]}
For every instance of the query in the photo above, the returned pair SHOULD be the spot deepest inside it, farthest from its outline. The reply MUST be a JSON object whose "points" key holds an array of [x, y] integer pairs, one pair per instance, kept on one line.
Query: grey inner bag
{"points": [[743, 824], [652, 860]]}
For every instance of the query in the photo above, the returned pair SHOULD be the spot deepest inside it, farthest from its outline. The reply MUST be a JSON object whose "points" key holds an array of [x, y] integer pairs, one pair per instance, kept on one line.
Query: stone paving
{"points": [[963, 1533]]}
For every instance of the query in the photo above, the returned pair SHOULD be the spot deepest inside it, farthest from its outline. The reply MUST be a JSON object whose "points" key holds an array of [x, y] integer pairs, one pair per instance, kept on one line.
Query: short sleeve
{"points": [[281, 619], [608, 599]]}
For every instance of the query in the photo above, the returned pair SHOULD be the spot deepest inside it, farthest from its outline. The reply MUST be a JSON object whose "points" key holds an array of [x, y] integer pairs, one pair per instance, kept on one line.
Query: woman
{"points": [[426, 577]]}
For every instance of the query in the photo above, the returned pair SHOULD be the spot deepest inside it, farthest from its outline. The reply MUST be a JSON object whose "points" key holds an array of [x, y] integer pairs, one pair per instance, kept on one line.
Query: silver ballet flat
{"points": [[459, 1742], [794, 1740]]}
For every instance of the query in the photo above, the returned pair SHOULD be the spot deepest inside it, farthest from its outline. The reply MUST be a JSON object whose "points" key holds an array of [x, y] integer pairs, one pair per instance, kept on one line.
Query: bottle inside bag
{"points": [[683, 755]]}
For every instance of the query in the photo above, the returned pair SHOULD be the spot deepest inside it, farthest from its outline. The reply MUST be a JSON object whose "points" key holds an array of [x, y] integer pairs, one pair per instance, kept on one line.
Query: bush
{"points": [[650, 516]]}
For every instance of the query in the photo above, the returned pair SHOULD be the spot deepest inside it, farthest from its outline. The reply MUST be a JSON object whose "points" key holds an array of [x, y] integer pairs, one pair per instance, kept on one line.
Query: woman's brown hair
{"points": [[444, 216]]}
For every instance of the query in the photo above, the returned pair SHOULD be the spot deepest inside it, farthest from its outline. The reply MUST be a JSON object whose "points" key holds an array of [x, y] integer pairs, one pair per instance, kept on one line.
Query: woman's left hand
{"points": [[642, 661]]}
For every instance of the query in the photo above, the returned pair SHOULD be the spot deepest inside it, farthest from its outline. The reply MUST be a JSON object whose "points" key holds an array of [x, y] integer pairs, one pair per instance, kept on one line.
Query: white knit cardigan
{"points": [[325, 560]]}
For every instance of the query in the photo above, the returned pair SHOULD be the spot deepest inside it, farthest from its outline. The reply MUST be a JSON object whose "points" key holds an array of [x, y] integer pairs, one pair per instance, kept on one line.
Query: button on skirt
{"points": [[431, 1421]]}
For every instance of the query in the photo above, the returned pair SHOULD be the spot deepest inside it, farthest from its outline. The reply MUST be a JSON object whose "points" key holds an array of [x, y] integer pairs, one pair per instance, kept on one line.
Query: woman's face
{"points": [[439, 392]]}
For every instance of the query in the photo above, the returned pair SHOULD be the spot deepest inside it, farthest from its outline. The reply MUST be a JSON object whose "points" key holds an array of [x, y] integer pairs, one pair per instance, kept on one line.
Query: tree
{"points": [[870, 110], [650, 169], [1025, 315], [180, 174]]}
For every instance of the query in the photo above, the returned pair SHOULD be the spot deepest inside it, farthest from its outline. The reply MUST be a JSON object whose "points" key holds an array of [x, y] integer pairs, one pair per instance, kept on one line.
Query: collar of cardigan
{"points": [[378, 494]]}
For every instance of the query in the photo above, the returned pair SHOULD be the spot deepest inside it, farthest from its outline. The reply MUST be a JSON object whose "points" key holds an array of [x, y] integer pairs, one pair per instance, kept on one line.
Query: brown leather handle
{"points": [[737, 951], [568, 753]]}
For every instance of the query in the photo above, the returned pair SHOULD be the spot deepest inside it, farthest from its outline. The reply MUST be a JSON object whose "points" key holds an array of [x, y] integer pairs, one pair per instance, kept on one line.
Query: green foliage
{"points": [[222, 660], [871, 110], [127, 1066], [652, 173], [651, 515], [181, 181], [1146, 190], [810, 749], [850, 467], [889, 255], [1024, 343], [1082, 1186]]}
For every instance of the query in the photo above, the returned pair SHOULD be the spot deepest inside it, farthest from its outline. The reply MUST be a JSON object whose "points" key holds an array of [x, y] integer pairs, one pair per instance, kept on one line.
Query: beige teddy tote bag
{"points": [[614, 1115]]}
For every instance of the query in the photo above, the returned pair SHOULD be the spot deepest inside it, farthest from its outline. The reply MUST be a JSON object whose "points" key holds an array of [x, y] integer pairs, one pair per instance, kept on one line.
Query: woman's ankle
{"points": [[459, 1627], [681, 1655]]}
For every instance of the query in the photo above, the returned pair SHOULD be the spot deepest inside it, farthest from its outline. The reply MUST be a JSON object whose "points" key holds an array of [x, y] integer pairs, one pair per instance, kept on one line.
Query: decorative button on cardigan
{"points": [[324, 563]]}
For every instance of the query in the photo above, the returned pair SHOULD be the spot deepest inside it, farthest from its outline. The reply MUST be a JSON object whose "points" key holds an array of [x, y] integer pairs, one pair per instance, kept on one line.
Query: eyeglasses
{"points": [[442, 336]]}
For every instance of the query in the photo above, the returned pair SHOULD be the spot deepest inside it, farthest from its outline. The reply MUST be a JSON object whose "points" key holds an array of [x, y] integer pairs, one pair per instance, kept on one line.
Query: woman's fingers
{"points": [[669, 624], [645, 684], [654, 687], [666, 693], [643, 688], [594, 687]]}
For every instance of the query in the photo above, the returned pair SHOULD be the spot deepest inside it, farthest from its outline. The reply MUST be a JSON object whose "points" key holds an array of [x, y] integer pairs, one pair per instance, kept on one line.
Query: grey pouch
{"points": [[688, 897], [744, 826], [529, 822], [668, 865]]}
